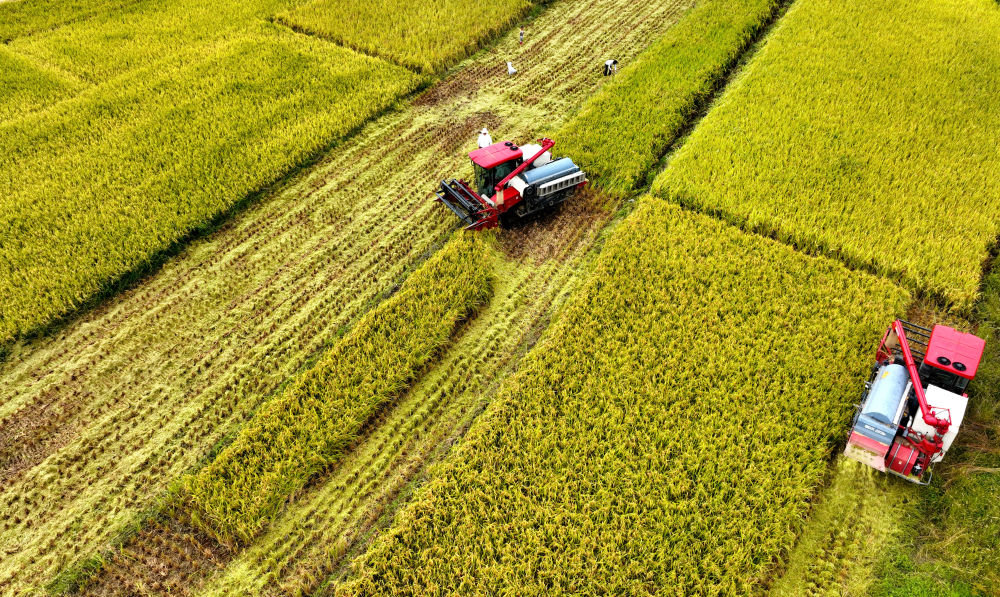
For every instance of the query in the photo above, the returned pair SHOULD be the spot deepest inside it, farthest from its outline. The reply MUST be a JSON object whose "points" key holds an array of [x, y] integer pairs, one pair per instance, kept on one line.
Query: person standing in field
{"points": [[522, 36], [485, 140]]}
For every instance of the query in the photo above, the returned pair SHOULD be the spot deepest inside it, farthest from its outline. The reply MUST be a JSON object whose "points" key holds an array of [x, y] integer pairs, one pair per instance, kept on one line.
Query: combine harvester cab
{"points": [[509, 185], [910, 414]]}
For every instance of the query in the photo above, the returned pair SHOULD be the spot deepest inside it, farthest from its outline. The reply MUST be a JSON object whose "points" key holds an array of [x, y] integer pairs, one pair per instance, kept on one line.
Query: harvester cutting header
{"points": [[915, 400], [512, 183]]}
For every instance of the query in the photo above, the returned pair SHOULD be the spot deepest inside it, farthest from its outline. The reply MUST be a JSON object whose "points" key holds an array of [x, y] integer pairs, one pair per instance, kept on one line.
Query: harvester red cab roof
{"points": [[492, 156], [954, 352]]}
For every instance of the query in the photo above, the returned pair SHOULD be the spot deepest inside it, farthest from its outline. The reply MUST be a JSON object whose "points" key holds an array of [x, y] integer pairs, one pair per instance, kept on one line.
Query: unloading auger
{"points": [[914, 403]]}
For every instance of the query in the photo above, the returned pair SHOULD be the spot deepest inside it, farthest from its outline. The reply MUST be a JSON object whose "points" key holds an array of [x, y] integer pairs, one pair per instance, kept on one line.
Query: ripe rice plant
{"points": [[114, 43], [865, 130], [427, 36], [26, 86], [127, 169], [665, 436], [317, 418], [20, 19], [623, 130]]}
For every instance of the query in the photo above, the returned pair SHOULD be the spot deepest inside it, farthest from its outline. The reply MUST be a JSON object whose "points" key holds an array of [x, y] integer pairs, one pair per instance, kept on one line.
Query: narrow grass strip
{"points": [[865, 130], [665, 437], [318, 417], [623, 130]]}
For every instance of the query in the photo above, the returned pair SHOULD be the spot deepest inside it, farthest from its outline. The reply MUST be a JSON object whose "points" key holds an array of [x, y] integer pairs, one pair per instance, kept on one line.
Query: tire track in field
{"points": [[138, 391]]}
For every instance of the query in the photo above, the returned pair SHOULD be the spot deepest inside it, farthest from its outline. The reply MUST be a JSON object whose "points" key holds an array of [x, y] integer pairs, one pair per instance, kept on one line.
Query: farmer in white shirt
{"points": [[484, 138]]}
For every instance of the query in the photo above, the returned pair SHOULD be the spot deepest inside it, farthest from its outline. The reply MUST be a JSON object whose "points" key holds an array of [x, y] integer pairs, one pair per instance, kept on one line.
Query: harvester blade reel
{"points": [[459, 199]]}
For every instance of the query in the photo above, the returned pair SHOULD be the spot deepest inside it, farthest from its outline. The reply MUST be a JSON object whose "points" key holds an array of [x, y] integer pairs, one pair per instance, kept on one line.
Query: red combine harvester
{"points": [[915, 400], [509, 186]]}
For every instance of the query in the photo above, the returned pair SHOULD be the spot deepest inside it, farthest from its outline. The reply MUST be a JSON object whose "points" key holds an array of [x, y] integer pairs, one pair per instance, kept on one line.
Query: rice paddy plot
{"points": [[427, 36], [128, 169], [864, 130], [667, 433]]}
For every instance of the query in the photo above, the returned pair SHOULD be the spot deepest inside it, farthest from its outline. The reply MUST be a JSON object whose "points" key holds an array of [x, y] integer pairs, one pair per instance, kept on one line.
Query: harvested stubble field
{"points": [[176, 364], [315, 421], [307, 543]]}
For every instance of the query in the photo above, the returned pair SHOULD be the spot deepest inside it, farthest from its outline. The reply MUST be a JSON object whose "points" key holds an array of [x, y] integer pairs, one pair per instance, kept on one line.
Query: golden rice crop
{"points": [[664, 437], [428, 35], [182, 361], [311, 425], [864, 129], [26, 86], [115, 42], [94, 186], [20, 19], [622, 131]]}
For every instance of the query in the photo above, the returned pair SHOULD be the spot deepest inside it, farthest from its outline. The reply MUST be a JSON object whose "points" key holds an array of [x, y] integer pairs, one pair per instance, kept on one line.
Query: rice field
{"points": [[314, 537], [178, 363], [114, 41], [255, 358], [29, 87], [668, 431], [426, 36], [315, 421], [650, 102], [847, 136], [128, 170], [140, 125], [164, 116], [21, 19]]}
